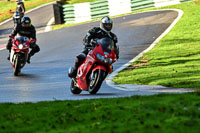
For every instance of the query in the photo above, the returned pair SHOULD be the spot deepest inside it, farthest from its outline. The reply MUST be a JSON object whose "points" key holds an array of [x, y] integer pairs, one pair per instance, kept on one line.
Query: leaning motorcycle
{"points": [[95, 68], [19, 53]]}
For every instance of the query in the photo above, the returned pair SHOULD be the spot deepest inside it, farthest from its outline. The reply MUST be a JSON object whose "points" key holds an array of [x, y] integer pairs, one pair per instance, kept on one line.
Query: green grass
{"points": [[141, 114], [175, 60], [7, 8], [80, 1]]}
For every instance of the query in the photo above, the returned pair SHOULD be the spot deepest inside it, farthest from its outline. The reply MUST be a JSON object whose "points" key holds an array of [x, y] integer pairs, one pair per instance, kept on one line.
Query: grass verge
{"points": [[166, 113], [175, 60]]}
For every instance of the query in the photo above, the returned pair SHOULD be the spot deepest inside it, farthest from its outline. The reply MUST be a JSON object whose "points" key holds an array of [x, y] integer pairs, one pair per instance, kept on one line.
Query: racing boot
{"points": [[8, 58], [80, 59], [29, 58], [73, 71]]}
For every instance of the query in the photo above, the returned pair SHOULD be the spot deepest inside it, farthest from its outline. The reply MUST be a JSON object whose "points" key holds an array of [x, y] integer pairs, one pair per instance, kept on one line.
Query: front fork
{"points": [[13, 57]]}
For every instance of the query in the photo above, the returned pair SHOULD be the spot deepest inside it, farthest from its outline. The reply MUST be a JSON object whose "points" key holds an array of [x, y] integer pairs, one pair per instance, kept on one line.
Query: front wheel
{"points": [[74, 89], [17, 65], [96, 79]]}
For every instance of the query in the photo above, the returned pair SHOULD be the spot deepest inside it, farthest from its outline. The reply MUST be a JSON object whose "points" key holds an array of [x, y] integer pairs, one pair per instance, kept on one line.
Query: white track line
{"points": [[48, 27], [142, 87]]}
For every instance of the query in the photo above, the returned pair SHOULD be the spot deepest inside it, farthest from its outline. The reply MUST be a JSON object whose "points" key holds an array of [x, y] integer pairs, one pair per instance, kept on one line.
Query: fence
{"points": [[82, 12]]}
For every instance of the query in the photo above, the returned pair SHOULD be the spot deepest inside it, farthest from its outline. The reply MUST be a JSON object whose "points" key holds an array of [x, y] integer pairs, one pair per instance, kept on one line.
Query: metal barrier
{"points": [[141, 4], [99, 9], [68, 12], [87, 11]]}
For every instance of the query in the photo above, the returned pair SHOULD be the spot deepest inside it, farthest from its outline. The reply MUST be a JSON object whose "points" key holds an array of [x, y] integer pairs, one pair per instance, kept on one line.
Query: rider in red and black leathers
{"points": [[28, 30], [95, 33]]}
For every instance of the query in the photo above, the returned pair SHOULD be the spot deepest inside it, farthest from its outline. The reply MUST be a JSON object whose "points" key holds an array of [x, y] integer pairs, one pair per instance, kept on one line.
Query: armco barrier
{"points": [[141, 4], [99, 9], [90, 10]]}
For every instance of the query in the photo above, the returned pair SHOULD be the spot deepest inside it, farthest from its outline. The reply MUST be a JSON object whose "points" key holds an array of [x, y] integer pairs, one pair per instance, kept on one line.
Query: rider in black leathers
{"points": [[28, 30], [95, 33]]}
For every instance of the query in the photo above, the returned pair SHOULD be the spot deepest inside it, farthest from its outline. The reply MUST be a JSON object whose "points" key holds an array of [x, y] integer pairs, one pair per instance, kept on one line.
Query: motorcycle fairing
{"points": [[83, 71]]}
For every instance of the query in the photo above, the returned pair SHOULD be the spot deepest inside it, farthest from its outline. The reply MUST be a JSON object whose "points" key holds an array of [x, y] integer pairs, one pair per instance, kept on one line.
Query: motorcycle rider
{"points": [[20, 7], [28, 30], [95, 33]]}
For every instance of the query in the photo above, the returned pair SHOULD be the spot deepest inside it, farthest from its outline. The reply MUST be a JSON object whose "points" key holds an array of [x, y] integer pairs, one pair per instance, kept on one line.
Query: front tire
{"points": [[74, 89], [96, 79], [17, 65]]}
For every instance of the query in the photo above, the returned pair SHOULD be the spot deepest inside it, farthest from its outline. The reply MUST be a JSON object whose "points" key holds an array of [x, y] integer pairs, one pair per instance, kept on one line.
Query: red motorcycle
{"points": [[95, 68], [19, 53]]}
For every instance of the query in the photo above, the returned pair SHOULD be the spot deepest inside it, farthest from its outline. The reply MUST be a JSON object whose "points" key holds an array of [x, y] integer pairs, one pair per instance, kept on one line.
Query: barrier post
{"points": [[58, 13]]}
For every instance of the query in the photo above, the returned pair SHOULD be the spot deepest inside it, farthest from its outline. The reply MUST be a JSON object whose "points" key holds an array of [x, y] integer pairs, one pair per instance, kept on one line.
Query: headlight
{"points": [[100, 57], [20, 46], [108, 60]]}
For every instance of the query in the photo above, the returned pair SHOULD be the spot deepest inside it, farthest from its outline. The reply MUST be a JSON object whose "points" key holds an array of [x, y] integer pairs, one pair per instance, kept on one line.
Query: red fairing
{"points": [[25, 49], [92, 63], [24, 46]]}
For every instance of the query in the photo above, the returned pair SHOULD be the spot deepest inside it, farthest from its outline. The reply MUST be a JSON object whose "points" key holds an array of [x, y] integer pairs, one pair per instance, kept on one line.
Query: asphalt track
{"points": [[45, 78]]}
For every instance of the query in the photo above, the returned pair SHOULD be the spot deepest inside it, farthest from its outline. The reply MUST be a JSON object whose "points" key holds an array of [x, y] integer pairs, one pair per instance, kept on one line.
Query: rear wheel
{"points": [[17, 65], [96, 79], [74, 89]]}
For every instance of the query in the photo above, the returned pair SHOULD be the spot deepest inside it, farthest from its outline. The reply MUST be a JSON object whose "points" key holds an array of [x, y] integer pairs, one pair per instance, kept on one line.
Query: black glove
{"points": [[94, 42], [10, 40]]}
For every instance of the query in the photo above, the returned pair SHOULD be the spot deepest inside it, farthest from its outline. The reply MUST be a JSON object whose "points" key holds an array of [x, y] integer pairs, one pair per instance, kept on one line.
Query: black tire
{"points": [[17, 65], [74, 89], [96, 79]]}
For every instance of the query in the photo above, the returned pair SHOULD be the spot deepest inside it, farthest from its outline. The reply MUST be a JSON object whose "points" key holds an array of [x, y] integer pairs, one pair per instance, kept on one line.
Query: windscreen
{"points": [[107, 44], [21, 39]]}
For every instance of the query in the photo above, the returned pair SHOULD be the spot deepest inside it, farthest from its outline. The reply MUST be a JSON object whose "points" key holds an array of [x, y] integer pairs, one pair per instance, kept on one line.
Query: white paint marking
{"points": [[48, 27]]}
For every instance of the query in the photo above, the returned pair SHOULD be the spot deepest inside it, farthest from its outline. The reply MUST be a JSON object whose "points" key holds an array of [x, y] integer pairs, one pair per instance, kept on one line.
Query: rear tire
{"points": [[17, 65], [74, 89], [96, 79]]}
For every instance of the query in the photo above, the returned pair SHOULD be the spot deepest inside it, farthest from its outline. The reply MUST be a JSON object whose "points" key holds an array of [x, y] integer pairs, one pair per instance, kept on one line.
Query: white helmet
{"points": [[106, 24]]}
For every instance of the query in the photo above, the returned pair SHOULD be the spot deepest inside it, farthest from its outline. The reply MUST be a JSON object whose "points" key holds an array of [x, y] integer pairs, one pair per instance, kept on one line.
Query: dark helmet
{"points": [[106, 24], [26, 22], [18, 1]]}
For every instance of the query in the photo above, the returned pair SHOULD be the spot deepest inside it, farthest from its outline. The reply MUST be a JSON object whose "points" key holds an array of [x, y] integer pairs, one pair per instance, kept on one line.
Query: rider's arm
{"points": [[115, 39], [89, 36], [117, 51], [15, 31], [33, 33]]}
